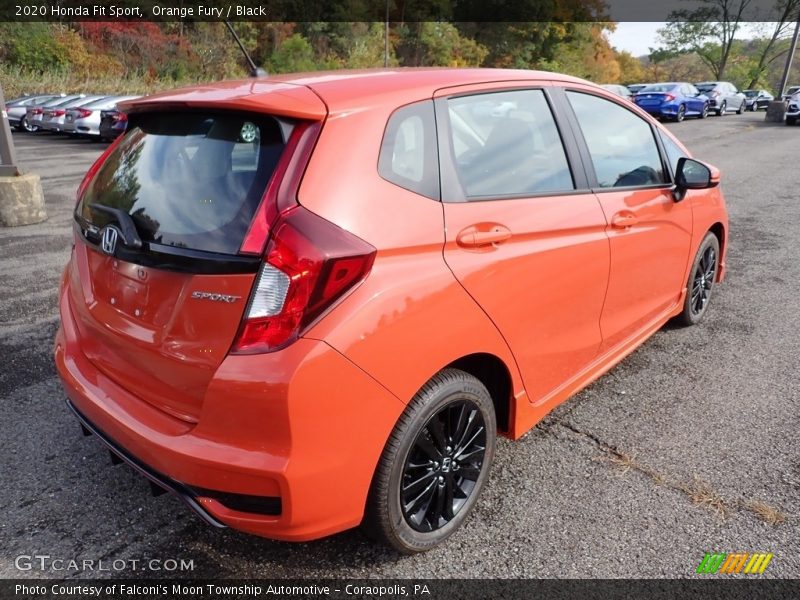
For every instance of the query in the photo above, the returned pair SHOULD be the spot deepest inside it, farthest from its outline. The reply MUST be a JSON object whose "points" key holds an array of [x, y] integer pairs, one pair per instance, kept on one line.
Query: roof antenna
{"points": [[254, 70]]}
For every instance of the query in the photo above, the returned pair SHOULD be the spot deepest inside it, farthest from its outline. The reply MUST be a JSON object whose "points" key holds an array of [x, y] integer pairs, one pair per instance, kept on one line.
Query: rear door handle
{"points": [[472, 237], [624, 220]]}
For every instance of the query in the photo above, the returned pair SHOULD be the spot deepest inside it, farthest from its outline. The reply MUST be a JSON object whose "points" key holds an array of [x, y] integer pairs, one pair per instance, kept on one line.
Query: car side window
{"points": [[507, 144], [621, 144], [408, 156]]}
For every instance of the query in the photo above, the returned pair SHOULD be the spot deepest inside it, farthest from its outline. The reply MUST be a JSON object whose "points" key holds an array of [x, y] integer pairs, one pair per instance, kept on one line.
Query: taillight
{"points": [[310, 263], [59, 112], [669, 97], [281, 193], [82, 113], [95, 166], [38, 111]]}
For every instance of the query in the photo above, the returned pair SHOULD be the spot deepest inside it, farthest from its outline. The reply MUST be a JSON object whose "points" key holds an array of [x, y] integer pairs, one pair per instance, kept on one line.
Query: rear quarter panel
{"points": [[410, 317]]}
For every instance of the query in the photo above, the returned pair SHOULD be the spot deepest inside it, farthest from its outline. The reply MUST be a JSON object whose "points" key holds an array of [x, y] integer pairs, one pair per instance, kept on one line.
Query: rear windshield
{"points": [[658, 88], [705, 87], [188, 180]]}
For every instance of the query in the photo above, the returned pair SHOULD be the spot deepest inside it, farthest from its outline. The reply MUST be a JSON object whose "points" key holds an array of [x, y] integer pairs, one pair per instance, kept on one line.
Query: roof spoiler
{"points": [[254, 70]]}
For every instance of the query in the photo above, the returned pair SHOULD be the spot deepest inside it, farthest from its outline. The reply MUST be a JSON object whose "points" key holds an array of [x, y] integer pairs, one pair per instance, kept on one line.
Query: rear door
{"points": [[524, 234], [158, 284], [649, 232]]}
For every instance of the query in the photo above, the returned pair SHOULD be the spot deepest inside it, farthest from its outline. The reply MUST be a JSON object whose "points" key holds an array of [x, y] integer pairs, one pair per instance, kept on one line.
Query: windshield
{"points": [[705, 87], [188, 180]]}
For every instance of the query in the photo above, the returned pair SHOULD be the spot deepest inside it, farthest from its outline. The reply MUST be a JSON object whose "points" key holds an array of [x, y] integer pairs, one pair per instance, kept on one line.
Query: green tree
{"points": [[32, 46], [708, 31], [293, 55]]}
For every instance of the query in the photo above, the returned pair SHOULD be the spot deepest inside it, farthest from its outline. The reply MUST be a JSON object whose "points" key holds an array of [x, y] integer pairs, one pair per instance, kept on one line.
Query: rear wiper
{"points": [[130, 237]]}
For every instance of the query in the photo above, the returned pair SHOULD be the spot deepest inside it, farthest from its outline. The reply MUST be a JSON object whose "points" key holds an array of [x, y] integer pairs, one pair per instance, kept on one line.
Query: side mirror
{"points": [[691, 175]]}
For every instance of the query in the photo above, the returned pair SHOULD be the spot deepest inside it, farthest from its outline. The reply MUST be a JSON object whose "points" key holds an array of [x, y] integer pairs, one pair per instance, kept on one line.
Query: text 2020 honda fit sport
{"points": [[308, 302]]}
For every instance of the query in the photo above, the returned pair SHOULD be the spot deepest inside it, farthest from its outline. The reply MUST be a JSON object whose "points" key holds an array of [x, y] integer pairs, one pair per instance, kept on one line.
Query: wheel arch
{"points": [[718, 229], [492, 372]]}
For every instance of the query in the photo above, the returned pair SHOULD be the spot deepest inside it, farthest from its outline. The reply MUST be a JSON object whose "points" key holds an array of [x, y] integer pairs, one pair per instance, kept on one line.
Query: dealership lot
{"points": [[687, 447]]}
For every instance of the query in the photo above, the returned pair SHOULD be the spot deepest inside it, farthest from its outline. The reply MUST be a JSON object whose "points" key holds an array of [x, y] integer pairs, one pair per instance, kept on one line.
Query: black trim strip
{"points": [[172, 258], [184, 492]]}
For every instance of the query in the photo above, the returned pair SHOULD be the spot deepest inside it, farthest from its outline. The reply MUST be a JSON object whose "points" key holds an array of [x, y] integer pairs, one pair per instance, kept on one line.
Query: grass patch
{"points": [[765, 512]]}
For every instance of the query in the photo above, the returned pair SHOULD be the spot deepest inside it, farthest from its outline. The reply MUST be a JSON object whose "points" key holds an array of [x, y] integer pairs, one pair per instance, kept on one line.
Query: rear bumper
{"points": [[303, 425], [660, 110], [185, 493]]}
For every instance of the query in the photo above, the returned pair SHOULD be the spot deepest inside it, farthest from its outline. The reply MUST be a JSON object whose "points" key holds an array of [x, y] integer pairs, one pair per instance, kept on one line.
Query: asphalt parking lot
{"points": [[688, 446]]}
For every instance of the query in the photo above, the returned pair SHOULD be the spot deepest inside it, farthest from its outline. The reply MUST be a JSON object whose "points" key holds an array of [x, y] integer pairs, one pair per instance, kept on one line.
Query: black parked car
{"points": [[758, 99], [113, 124]]}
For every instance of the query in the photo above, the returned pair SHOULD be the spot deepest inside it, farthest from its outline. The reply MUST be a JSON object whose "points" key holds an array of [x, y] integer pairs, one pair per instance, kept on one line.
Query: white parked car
{"points": [[793, 110]]}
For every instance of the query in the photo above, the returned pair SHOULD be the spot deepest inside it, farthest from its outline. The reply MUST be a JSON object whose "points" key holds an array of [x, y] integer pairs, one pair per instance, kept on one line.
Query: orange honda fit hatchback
{"points": [[308, 302]]}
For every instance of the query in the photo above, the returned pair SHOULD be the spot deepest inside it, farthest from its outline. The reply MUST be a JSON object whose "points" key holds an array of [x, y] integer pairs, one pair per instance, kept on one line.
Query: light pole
{"points": [[790, 58], [8, 158], [386, 37]]}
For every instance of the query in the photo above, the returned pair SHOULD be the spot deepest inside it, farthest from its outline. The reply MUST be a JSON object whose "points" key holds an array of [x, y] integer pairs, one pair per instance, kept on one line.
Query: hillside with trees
{"points": [[143, 57]]}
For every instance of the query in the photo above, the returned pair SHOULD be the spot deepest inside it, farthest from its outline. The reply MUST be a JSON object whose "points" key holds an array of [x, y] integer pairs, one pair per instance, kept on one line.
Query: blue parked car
{"points": [[672, 101]]}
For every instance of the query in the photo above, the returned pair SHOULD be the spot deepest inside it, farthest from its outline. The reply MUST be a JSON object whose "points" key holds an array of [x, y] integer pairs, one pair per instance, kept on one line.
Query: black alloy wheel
{"points": [[443, 467], [433, 465], [702, 276]]}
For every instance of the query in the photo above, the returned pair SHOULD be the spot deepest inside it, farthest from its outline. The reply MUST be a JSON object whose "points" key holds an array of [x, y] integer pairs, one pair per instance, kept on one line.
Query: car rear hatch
{"points": [[159, 281]]}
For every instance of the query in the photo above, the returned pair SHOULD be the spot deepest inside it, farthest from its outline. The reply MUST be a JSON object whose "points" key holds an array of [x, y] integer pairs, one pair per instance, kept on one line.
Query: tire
{"points": [[700, 285], [754, 107], [25, 126], [722, 108], [681, 113], [704, 112], [791, 120], [740, 110], [458, 407]]}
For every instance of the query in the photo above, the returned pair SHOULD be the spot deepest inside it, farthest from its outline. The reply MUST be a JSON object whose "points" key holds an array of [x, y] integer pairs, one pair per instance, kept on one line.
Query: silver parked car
{"points": [[53, 118], [722, 97], [619, 90], [17, 109], [33, 114], [85, 119]]}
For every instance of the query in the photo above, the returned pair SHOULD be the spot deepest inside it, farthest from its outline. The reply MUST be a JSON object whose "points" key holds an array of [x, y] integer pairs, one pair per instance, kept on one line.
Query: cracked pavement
{"points": [[688, 446]]}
